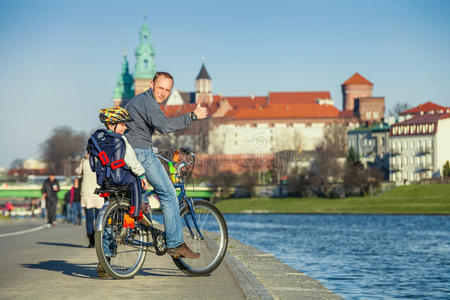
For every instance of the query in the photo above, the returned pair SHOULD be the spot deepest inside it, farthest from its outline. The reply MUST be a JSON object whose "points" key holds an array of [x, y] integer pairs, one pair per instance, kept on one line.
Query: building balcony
{"points": [[425, 151], [425, 169], [395, 152]]}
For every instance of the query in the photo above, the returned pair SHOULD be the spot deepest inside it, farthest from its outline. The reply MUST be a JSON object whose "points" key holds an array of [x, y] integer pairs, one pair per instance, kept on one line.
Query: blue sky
{"points": [[60, 59]]}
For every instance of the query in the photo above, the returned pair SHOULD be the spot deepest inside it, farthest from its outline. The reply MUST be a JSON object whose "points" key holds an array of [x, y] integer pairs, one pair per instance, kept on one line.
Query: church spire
{"points": [[124, 88], [145, 65], [203, 86]]}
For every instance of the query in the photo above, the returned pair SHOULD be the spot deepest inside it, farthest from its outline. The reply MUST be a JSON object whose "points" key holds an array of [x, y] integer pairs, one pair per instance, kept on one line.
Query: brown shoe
{"points": [[183, 251]]}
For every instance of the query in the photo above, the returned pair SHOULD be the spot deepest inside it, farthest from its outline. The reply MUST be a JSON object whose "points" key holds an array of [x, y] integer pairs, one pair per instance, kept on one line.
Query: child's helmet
{"points": [[114, 115]]}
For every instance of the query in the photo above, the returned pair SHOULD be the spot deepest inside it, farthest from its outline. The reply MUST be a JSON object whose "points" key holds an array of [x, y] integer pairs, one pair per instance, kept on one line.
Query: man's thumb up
{"points": [[201, 112]]}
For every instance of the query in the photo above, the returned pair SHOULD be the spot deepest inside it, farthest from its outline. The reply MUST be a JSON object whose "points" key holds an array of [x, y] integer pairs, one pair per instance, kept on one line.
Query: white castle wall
{"points": [[264, 138]]}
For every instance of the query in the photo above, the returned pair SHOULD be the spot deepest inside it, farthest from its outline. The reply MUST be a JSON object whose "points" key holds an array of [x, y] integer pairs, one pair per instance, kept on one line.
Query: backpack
{"points": [[106, 157]]}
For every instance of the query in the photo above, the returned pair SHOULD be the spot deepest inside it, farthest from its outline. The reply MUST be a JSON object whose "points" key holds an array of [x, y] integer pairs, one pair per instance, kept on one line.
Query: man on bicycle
{"points": [[148, 117]]}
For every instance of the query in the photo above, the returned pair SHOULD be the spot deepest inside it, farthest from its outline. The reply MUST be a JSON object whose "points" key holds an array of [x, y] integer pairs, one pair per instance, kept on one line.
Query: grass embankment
{"points": [[413, 199]]}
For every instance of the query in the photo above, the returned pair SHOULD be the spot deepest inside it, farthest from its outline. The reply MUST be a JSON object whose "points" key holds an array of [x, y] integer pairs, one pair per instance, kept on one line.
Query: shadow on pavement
{"points": [[61, 244], [161, 272], [76, 270], [90, 270]]}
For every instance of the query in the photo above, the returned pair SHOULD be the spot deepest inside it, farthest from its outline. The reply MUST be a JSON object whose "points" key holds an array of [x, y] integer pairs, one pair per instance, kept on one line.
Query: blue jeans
{"points": [[91, 216], [76, 212], [69, 218], [158, 178]]}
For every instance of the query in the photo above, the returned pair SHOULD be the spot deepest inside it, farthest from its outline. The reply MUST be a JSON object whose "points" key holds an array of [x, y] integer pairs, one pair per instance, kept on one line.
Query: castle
{"points": [[255, 124]]}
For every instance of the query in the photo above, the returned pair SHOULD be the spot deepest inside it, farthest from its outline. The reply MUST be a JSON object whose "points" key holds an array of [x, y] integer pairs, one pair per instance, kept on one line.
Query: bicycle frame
{"points": [[182, 200]]}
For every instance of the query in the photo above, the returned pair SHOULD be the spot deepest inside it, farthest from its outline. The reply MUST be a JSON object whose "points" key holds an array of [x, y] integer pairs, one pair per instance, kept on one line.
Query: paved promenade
{"points": [[53, 263]]}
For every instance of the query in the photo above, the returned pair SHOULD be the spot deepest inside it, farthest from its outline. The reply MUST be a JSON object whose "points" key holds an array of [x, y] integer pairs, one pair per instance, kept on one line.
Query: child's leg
{"points": [[134, 184]]}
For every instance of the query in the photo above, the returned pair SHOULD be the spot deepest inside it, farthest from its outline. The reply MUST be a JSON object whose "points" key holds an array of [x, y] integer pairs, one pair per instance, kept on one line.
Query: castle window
{"points": [[145, 64]]}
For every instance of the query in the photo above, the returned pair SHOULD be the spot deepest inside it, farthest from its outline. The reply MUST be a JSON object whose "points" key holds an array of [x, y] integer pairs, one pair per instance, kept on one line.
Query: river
{"points": [[357, 256]]}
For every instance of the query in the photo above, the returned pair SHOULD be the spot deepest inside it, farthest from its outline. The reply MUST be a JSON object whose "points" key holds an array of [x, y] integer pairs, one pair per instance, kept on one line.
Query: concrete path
{"points": [[53, 263]]}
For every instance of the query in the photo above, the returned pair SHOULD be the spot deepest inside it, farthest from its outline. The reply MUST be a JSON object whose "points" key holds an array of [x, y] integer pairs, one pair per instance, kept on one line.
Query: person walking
{"points": [[67, 212], [90, 202], [148, 117], [49, 190], [75, 200]]}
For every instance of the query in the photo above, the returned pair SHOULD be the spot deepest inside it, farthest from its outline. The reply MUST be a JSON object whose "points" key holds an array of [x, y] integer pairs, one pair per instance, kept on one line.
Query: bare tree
{"points": [[62, 149], [17, 163], [360, 180], [398, 108], [325, 169], [222, 182], [335, 136]]}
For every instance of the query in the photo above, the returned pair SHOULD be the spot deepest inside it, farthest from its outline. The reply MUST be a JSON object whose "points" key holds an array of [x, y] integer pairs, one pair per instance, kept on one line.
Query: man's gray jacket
{"points": [[148, 117]]}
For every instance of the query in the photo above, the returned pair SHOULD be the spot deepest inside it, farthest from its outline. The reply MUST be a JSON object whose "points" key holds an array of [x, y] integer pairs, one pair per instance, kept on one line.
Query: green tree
{"points": [[446, 170]]}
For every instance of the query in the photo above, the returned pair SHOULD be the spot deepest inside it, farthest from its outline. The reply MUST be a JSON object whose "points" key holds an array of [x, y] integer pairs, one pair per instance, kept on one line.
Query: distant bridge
{"points": [[22, 192]]}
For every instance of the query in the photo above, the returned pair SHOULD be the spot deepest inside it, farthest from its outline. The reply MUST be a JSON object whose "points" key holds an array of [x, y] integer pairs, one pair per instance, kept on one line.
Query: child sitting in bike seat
{"points": [[115, 120]]}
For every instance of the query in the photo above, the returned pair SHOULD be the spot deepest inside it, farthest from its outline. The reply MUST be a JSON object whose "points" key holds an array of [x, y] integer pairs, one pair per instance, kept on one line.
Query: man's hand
{"points": [[201, 112], [144, 183]]}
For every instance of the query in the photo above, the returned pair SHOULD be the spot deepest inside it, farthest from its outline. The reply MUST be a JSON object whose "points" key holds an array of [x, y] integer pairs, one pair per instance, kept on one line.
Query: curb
{"points": [[262, 276]]}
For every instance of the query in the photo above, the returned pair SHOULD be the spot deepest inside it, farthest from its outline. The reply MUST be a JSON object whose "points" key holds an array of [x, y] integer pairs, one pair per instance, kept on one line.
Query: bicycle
{"points": [[122, 243]]}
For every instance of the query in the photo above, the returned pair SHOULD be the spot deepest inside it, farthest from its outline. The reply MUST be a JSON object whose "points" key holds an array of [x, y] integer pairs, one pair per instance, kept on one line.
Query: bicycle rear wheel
{"points": [[119, 249], [210, 240]]}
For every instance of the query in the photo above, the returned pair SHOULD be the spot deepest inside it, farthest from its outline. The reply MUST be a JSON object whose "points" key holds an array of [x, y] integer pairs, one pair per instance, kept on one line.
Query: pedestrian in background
{"points": [[89, 201], [67, 208], [75, 200], [50, 189]]}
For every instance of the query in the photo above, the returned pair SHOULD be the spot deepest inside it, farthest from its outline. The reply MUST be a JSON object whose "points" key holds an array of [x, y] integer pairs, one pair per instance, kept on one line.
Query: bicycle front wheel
{"points": [[119, 248], [209, 238]]}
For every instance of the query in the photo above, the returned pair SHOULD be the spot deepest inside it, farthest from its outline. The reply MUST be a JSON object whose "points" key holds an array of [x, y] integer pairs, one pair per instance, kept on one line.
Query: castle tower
{"points": [[123, 92], [203, 87], [145, 67], [355, 87]]}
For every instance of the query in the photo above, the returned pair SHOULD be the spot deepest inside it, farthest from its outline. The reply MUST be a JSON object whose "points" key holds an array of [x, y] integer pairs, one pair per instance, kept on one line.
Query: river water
{"points": [[357, 256]]}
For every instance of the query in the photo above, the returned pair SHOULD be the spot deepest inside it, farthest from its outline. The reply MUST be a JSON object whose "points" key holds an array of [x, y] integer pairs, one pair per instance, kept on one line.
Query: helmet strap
{"points": [[115, 126]]}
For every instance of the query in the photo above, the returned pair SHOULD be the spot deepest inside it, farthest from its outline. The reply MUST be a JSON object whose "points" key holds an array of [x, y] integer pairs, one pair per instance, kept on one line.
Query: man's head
{"points": [[161, 85], [51, 176]]}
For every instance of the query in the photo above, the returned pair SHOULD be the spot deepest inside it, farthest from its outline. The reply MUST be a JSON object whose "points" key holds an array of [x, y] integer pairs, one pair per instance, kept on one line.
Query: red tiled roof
{"points": [[415, 125], [423, 119], [357, 79], [426, 107], [245, 102], [172, 111], [285, 111], [298, 97]]}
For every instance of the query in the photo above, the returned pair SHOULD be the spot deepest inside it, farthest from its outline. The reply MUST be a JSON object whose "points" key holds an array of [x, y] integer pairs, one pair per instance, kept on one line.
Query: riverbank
{"points": [[414, 199]]}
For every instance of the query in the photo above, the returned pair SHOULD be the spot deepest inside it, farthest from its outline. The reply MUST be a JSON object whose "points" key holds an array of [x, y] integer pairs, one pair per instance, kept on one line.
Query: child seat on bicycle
{"points": [[113, 159]]}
